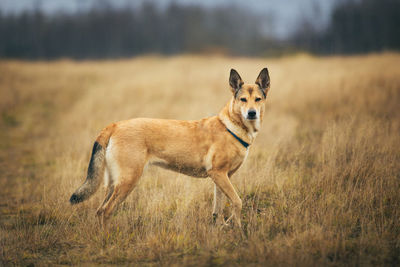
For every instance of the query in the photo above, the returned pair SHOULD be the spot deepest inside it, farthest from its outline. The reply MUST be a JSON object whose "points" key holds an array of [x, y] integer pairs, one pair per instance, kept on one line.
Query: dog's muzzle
{"points": [[252, 114]]}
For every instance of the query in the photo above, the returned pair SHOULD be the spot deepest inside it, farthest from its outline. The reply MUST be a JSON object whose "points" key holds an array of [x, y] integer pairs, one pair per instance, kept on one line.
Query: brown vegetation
{"points": [[320, 186]]}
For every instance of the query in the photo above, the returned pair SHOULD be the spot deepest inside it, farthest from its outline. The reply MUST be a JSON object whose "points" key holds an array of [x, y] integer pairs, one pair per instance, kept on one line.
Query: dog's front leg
{"points": [[224, 184], [218, 206]]}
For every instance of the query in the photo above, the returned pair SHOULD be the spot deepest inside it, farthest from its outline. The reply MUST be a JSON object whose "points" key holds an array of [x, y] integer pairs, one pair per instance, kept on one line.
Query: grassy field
{"points": [[321, 185]]}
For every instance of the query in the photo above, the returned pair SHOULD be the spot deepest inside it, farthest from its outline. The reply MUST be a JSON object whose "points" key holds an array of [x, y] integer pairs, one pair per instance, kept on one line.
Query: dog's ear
{"points": [[263, 81], [235, 81]]}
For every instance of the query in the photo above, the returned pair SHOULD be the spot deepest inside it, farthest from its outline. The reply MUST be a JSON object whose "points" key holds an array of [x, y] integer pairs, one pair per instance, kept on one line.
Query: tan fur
{"points": [[104, 136], [201, 148]]}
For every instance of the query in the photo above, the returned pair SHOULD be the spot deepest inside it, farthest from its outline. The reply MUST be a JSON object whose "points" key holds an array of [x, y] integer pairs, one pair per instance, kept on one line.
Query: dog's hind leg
{"points": [[118, 193], [100, 215], [124, 173], [109, 191]]}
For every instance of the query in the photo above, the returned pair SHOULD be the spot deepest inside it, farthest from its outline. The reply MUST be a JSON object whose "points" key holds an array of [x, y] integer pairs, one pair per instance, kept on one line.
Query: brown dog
{"points": [[211, 147]]}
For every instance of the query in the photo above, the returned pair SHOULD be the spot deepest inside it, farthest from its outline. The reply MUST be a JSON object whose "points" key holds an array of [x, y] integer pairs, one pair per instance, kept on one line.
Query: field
{"points": [[321, 185]]}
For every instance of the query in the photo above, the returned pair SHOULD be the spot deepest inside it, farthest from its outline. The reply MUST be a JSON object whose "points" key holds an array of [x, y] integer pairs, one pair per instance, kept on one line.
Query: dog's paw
{"points": [[219, 221]]}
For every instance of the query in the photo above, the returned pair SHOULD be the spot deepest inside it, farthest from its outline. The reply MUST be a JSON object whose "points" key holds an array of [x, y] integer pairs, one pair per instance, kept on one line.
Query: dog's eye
{"points": [[243, 99], [258, 99]]}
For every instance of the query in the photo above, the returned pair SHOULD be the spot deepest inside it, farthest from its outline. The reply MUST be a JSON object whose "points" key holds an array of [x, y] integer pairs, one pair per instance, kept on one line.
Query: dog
{"points": [[212, 147]]}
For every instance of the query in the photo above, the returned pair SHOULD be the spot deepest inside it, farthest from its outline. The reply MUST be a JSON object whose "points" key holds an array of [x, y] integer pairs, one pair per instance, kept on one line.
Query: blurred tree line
{"points": [[107, 32], [356, 26]]}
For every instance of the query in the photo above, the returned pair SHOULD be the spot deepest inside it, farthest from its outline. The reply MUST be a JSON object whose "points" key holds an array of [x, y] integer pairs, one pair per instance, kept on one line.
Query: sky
{"points": [[278, 17]]}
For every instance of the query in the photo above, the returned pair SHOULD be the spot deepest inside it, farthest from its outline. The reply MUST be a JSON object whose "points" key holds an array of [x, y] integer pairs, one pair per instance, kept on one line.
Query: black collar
{"points": [[245, 144]]}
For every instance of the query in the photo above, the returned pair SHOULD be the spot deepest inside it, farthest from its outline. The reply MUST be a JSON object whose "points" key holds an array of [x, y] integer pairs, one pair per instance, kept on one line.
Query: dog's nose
{"points": [[251, 114]]}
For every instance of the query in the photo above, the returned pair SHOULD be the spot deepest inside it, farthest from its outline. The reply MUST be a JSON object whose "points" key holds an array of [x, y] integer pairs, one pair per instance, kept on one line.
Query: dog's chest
{"points": [[228, 158], [239, 160], [245, 155]]}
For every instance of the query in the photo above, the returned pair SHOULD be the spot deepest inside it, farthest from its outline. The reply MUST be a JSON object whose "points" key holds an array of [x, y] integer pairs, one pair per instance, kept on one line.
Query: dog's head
{"points": [[249, 99]]}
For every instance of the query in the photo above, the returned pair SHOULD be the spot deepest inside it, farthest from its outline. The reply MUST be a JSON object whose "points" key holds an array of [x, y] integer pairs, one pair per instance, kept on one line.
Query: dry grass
{"points": [[320, 187]]}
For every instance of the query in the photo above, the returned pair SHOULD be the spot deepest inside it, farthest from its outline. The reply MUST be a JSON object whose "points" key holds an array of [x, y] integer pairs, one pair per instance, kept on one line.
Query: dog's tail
{"points": [[96, 167]]}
